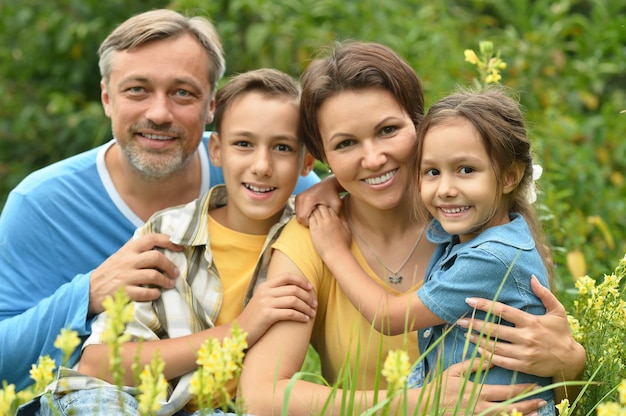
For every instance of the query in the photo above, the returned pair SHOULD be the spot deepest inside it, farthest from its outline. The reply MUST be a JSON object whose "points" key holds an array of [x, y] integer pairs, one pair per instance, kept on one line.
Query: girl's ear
{"points": [[215, 150], [512, 178]]}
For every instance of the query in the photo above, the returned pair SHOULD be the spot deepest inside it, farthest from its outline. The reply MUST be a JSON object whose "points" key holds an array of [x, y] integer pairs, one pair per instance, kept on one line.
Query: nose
{"points": [[159, 109], [262, 163], [374, 156], [446, 187]]}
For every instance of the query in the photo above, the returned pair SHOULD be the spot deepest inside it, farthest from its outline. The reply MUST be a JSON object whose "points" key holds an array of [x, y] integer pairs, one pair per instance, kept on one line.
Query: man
{"points": [[62, 228]]}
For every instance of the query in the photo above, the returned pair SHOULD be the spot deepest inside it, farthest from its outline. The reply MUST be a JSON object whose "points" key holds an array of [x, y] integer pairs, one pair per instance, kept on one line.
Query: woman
{"points": [[359, 111]]}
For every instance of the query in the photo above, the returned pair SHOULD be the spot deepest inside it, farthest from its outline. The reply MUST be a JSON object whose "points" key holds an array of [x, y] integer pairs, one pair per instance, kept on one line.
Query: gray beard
{"points": [[154, 167]]}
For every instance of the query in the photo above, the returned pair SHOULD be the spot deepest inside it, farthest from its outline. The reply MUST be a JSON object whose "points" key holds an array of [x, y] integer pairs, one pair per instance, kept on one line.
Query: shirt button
{"points": [[427, 333]]}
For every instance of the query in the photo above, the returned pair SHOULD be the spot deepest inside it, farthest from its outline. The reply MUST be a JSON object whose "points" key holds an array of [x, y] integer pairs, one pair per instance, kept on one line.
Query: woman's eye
{"points": [[386, 131], [344, 144]]}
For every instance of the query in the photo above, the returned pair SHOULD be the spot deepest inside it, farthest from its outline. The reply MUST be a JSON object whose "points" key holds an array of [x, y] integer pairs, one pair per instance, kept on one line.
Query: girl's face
{"points": [[457, 182], [368, 139]]}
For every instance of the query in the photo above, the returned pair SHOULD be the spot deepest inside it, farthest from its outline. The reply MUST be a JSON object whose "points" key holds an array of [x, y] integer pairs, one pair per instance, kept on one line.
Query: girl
{"points": [[359, 110], [474, 170]]}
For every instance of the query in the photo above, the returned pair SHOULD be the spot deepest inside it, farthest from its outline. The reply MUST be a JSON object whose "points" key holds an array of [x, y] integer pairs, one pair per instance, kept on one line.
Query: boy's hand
{"points": [[288, 297]]}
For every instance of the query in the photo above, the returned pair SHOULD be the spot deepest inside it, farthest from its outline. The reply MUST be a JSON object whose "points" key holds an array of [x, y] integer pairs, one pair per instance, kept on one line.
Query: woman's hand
{"points": [[541, 345], [486, 398]]}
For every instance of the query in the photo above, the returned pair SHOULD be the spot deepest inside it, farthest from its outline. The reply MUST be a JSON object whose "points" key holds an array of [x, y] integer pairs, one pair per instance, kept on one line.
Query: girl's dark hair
{"points": [[353, 66]]}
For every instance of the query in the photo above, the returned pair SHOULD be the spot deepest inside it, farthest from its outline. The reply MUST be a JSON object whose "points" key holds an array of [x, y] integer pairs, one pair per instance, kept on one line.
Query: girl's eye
{"points": [[466, 170], [431, 172]]}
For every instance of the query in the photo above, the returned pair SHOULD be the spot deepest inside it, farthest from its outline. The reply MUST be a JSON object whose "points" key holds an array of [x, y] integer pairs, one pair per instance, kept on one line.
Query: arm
{"points": [[539, 345], [287, 297], [279, 354], [388, 313], [325, 193]]}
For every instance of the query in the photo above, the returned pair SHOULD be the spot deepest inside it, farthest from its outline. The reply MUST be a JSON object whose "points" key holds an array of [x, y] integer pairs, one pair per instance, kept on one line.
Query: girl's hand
{"points": [[324, 193], [330, 234]]}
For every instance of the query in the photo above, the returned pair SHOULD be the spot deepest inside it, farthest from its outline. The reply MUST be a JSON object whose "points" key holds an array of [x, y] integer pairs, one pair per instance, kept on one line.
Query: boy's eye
{"points": [[242, 143], [283, 148]]}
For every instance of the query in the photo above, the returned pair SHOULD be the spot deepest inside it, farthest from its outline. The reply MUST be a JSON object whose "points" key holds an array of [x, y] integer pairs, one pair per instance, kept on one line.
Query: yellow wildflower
{"points": [[609, 409], [67, 341], [563, 407], [622, 392], [493, 77], [470, 56], [152, 386], [396, 368], [7, 397], [42, 373]]}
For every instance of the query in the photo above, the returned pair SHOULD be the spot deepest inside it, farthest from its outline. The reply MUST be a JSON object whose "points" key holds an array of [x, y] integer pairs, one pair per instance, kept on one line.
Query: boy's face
{"points": [[261, 157]]}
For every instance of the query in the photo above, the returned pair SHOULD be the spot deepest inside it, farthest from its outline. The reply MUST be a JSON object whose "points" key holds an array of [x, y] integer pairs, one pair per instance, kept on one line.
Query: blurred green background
{"points": [[567, 59]]}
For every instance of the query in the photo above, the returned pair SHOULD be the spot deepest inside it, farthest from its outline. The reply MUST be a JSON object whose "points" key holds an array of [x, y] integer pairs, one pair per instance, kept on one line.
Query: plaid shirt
{"points": [[194, 304]]}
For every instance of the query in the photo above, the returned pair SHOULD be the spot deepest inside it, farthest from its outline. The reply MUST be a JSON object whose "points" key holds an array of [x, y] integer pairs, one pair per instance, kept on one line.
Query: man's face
{"points": [[159, 99]]}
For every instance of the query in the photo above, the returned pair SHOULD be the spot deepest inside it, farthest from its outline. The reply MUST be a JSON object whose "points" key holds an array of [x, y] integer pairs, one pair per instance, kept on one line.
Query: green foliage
{"points": [[570, 75]]}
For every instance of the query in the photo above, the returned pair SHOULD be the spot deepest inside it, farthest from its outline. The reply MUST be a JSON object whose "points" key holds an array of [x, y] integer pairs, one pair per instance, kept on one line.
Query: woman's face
{"points": [[368, 138]]}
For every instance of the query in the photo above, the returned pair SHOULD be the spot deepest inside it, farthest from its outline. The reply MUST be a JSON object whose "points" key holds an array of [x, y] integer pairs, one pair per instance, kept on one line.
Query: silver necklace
{"points": [[394, 277]]}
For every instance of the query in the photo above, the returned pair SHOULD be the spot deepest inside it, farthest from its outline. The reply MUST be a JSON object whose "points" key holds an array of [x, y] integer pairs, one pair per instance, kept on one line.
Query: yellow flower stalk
{"points": [[487, 65], [152, 387], [119, 312], [218, 363]]}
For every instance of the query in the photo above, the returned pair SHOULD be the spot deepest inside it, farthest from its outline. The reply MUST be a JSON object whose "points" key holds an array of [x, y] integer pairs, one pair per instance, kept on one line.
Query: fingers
{"points": [[138, 267], [551, 303]]}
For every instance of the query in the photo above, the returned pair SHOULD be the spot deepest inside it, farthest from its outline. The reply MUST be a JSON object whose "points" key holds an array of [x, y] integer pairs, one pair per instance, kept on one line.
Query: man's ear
{"points": [[512, 178], [105, 98], [215, 150], [309, 162]]}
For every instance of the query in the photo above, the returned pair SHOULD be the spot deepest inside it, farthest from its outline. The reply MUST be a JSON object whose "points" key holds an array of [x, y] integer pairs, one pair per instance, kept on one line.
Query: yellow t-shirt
{"points": [[236, 255], [340, 331]]}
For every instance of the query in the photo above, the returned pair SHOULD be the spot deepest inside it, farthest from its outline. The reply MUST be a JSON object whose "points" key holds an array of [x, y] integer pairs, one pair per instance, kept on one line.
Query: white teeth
{"points": [[257, 189], [381, 179], [454, 210], [155, 136]]}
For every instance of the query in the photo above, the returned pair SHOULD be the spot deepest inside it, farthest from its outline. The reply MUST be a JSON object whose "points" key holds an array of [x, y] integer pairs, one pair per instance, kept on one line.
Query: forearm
{"points": [[24, 338], [179, 355]]}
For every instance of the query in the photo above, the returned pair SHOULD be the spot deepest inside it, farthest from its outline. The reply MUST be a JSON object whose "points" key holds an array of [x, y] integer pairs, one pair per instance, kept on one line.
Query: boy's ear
{"points": [[307, 166], [513, 178], [215, 150]]}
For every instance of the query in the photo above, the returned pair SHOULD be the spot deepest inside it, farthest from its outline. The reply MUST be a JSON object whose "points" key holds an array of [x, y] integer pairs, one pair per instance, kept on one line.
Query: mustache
{"points": [[160, 128]]}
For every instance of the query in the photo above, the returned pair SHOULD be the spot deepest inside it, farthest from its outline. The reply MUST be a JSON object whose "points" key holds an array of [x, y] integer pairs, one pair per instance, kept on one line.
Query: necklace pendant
{"points": [[395, 279]]}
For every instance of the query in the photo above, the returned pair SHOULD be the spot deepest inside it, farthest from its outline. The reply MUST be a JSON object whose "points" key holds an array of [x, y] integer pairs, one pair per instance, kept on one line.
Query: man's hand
{"points": [[136, 266]]}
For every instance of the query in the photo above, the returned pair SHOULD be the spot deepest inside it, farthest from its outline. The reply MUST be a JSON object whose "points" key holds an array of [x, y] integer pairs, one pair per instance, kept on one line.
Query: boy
{"points": [[225, 238]]}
